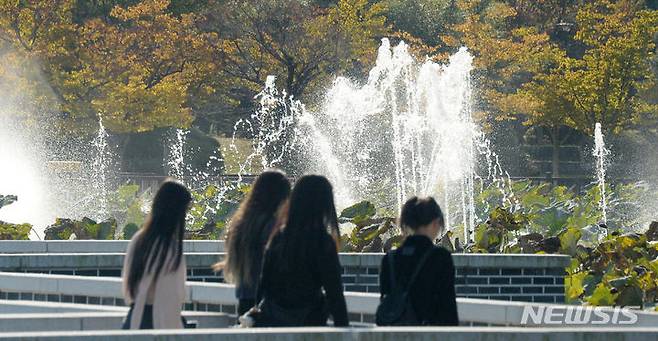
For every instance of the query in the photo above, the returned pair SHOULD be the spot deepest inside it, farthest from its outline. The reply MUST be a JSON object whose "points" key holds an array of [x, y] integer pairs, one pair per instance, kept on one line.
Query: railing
{"points": [[474, 311]]}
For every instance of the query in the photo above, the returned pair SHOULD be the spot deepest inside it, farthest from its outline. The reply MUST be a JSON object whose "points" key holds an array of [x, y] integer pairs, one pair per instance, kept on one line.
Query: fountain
{"points": [[176, 158], [99, 168], [52, 176], [271, 130], [407, 131], [601, 154], [21, 174]]}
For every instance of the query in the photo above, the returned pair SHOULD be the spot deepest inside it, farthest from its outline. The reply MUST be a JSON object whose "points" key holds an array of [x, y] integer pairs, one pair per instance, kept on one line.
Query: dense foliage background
{"points": [[158, 63], [547, 70]]}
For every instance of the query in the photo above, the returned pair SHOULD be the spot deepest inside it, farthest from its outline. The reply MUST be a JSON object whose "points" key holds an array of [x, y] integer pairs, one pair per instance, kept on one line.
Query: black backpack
{"points": [[395, 308]]}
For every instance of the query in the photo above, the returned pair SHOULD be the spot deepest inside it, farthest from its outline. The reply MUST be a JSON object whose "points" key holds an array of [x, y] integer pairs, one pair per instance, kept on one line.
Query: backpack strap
{"points": [[419, 267]]}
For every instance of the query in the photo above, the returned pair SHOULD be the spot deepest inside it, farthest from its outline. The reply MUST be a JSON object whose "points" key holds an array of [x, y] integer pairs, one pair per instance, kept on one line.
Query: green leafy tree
{"points": [[133, 65], [137, 67], [604, 84], [560, 63], [300, 43], [426, 20], [506, 51], [36, 39]]}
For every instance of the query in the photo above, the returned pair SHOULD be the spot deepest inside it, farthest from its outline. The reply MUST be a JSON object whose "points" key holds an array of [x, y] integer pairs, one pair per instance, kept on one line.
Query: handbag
{"points": [[395, 308], [274, 315], [268, 313]]}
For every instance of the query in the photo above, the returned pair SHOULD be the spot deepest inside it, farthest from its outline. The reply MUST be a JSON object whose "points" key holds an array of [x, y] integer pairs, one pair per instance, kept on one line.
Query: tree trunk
{"points": [[555, 160], [123, 148]]}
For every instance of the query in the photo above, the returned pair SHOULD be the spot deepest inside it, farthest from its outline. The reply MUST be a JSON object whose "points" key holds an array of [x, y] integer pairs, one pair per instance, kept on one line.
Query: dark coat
{"points": [[300, 286], [432, 295]]}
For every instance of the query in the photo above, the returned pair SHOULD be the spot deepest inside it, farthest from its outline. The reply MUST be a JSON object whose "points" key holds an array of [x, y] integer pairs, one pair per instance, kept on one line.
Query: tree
{"points": [[426, 20], [136, 73], [35, 41], [602, 86], [299, 42], [557, 63], [132, 66], [605, 85], [506, 52]]}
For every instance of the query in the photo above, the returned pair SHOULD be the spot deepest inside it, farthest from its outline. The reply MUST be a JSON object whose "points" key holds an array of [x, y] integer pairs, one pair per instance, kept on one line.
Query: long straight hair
{"points": [[312, 211], [246, 233], [162, 233]]}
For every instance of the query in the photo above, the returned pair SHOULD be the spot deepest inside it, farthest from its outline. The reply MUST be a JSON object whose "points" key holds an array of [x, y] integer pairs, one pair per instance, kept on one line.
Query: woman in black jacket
{"points": [[302, 260], [432, 293]]}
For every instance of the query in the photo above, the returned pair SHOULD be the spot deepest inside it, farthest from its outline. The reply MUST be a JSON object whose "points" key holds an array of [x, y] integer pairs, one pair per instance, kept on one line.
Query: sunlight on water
{"points": [[21, 174], [407, 131], [601, 154]]}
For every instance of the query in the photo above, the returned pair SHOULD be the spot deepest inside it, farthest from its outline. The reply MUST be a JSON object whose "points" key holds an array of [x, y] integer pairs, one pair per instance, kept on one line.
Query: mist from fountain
{"points": [[52, 175], [22, 174]]}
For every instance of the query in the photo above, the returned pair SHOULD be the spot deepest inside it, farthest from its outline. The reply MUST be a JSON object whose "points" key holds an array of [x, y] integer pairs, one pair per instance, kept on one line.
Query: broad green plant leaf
{"points": [[602, 296], [7, 200], [360, 209]]}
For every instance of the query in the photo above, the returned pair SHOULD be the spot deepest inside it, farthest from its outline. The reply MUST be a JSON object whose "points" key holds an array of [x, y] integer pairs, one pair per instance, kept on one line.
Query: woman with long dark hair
{"points": [[249, 230], [154, 269], [417, 280], [302, 260]]}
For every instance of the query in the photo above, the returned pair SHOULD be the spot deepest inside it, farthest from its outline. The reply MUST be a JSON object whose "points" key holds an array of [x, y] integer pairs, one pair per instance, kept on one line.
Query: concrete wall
{"points": [[508, 277], [529, 278], [355, 334], [220, 298]]}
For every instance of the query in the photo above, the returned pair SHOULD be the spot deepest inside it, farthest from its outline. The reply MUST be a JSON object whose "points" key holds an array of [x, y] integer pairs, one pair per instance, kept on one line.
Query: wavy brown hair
{"points": [[162, 233], [262, 208]]}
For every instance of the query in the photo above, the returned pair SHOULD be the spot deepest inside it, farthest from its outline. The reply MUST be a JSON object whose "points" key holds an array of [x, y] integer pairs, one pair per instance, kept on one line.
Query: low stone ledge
{"points": [[36, 307], [94, 246], [217, 246], [94, 321], [88, 260], [213, 293], [218, 296], [353, 334], [206, 259], [469, 260], [507, 261], [530, 278]]}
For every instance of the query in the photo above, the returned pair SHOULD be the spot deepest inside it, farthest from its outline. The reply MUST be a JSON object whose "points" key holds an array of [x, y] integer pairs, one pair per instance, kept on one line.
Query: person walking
{"points": [[154, 270], [301, 280], [417, 280], [259, 215]]}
